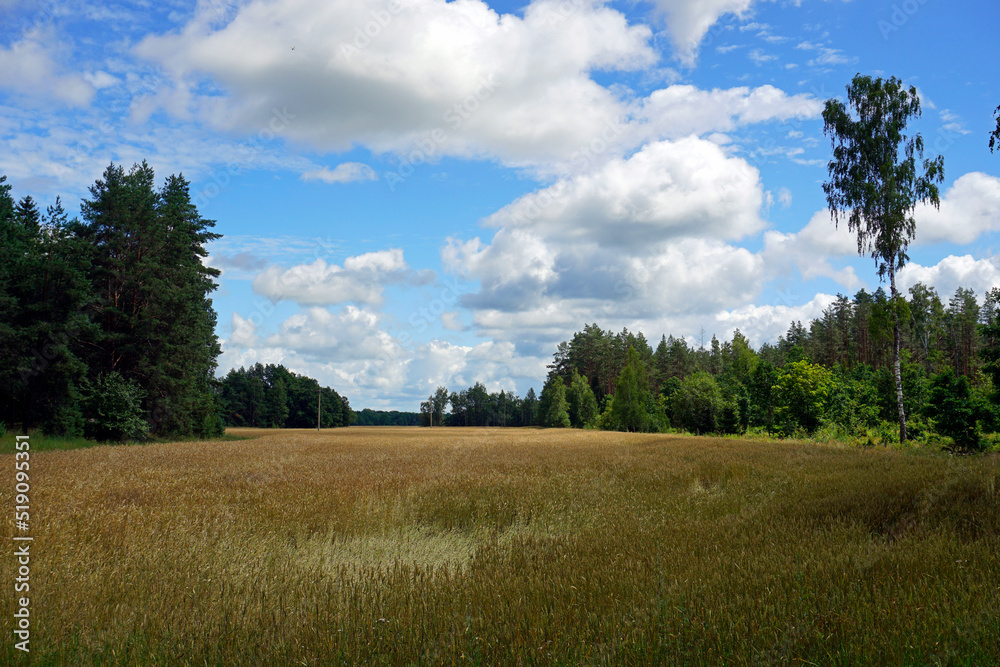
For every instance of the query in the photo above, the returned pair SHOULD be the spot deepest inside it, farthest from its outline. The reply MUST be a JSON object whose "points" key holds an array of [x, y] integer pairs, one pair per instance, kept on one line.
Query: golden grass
{"points": [[487, 546]]}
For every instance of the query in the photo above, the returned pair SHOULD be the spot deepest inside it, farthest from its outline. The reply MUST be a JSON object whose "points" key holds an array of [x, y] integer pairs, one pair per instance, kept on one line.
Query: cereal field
{"points": [[399, 546]]}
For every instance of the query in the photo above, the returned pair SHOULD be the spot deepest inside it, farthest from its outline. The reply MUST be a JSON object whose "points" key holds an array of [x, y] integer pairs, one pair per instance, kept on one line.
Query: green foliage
{"points": [[581, 400], [875, 189], [369, 417], [951, 407], [697, 405], [761, 395], [630, 408], [800, 396], [113, 409], [871, 186], [123, 291], [271, 396], [853, 402], [990, 348], [553, 406]]}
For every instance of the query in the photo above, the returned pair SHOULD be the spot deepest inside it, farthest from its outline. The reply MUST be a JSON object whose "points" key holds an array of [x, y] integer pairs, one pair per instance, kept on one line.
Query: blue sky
{"points": [[417, 193]]}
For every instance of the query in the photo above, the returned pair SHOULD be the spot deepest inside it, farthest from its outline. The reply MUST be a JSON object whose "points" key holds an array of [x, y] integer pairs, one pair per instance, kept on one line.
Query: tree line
{"points": [[271, 396], [369, 417], [106, 325], [837, 373]]}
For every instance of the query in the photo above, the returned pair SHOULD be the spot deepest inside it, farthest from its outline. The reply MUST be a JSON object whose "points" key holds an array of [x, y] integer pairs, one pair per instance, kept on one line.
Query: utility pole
{"points": [[319, 404]]}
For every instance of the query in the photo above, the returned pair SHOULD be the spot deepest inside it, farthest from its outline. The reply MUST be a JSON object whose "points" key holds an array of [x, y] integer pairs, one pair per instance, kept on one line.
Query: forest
{"points": [[271, 396], [834, 374], [108, 329]]}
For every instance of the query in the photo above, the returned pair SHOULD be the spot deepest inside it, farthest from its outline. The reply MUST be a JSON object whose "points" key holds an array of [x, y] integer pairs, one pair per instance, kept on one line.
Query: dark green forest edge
{"points": [[832, 379], [107, 329]]}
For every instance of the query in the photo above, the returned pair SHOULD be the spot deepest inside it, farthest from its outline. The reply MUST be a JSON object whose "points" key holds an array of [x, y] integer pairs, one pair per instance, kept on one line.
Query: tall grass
{"points": [[396, 546]]}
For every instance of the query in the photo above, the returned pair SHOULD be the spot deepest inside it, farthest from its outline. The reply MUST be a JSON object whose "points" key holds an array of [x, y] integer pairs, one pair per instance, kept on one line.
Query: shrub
{"points": [[698, 404], [951, 407], [800, 396], [113, 409]]}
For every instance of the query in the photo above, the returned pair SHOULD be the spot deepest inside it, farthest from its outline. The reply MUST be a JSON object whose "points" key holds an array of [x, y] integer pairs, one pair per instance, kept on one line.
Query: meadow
{"points": [[400, 546]]}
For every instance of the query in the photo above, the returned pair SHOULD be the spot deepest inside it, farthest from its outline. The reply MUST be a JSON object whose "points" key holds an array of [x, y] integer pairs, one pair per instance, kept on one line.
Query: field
{"points": [[487, 546]]}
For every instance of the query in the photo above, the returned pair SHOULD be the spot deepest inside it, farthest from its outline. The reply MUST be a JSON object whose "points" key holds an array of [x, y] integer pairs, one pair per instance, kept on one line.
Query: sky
{"points": [[419, 193]]}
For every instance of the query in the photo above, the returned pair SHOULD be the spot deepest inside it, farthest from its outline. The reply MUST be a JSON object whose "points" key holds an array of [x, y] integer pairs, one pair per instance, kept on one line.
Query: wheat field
{"points": [[406, 546]]}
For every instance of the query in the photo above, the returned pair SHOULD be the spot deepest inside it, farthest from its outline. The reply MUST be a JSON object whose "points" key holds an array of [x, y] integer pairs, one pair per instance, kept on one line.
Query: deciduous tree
{"points": [[872, 186]]}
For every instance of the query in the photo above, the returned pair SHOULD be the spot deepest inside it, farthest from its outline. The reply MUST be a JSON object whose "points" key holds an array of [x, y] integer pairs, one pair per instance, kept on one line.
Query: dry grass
{"points": [[451, 546]]}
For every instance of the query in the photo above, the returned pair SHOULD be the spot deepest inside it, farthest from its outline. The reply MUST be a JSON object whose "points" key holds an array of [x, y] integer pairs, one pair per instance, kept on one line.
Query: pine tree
{"points": [[152, 304]]}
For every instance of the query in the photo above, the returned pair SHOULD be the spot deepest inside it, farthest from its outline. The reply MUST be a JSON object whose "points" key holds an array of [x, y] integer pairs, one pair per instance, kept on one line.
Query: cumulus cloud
{"points": [[811, 249], [762, 323], [665, 191], [426, 78], [689, 20], [388, 75], [347, 349], [637, 238], [953, 272], [346, 172], [969, 209], [361, 279], [680, 110], [351, 350]]}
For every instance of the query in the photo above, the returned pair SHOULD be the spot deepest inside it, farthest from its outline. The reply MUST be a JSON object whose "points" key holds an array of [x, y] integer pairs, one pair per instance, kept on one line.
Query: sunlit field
{"points": [[485, 546]]}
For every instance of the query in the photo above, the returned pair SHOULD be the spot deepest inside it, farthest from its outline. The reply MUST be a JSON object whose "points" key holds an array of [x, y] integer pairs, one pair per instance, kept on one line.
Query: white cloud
{"points": [[347, 349], [688, 21], [518, 88], [767, 322], [667, 190], [641, 237], [810, 250], [244, 331], [680, 110], [951, 273], [969, 209], [29, 69], [346, 172], [952, 122], [361, 279], [452, 321], [351, 350], [759, 57]]}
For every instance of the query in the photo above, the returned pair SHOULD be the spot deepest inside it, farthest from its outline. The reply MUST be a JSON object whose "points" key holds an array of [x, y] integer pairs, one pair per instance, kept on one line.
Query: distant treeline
{"points": [[369, 417], [106, 325], [273, 397], [835, 374]]}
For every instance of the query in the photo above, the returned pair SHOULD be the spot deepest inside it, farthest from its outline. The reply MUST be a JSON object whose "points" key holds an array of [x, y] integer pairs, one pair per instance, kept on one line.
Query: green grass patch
{"points": [[47, 443]]}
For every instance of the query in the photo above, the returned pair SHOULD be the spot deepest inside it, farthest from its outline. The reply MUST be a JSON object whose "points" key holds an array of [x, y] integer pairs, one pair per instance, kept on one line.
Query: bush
{"points": [[951, 407], [698, 404], [800, 396], [113, 409]]}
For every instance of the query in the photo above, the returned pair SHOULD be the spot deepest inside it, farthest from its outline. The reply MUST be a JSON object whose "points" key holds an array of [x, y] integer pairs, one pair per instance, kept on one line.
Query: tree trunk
{"points": [[895, 359]]}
